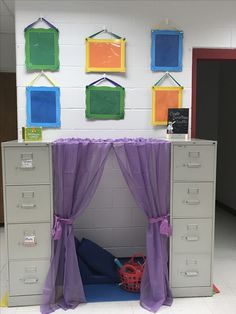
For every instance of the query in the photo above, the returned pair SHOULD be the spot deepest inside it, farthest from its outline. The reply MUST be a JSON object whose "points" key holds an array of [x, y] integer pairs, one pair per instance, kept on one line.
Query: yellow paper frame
{"points": [[122, 68], [154, 109]]}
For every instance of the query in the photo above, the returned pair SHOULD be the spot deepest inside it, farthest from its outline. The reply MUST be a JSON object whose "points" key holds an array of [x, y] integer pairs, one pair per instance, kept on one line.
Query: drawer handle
{"points": [[193, 165], [28, 244], [25, 168], [27, 206], [30, 280], [192, 202], [191, 273], [189, 238]]}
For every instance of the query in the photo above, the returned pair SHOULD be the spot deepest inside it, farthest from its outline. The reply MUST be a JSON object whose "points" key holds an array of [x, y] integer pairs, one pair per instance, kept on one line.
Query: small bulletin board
{"points": [[42, 49], [166, 50], [105, 102], [43, 107]]}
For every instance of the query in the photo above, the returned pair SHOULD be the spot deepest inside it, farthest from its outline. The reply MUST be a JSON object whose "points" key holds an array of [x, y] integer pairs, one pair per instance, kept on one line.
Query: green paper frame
{"points": [[54, 53], [104, 116]]}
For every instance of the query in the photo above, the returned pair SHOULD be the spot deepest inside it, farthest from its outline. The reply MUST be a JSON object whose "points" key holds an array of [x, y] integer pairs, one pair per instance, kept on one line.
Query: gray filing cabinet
{"points": [[193, 172], [27, 177], [27, 184]]}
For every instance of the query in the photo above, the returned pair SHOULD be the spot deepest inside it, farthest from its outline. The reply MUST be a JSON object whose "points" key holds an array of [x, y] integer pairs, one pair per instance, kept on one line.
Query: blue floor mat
{"points": [[108, 292]]}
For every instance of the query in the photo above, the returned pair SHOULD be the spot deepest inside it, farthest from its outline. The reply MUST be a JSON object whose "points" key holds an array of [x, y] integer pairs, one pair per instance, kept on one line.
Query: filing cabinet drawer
{"points": [[29, 240], [193, 199], [194, 163], [191, 270], [192, 235], [28, 203], [27, 277], [26, 165]]}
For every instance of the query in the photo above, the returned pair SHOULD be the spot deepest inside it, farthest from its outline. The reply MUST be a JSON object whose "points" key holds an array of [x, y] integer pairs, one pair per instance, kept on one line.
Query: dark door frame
{"points": [[205, 54], [8, 119]]}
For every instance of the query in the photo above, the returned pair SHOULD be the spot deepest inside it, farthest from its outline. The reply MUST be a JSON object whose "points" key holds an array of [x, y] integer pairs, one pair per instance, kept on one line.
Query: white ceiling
{"points": [[7, 11]]}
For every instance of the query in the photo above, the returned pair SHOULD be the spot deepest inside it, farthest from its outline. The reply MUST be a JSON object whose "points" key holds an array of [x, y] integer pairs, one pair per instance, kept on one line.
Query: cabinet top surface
{"points": [[22, 143], [192, 141], [174, 141]]}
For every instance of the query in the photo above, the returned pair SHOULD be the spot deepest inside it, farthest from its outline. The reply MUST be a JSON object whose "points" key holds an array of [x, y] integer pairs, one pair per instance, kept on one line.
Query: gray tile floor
{"points": [[224, 279]]}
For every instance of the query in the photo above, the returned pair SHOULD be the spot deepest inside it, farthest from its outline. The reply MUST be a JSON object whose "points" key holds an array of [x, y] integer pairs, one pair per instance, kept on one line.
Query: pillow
{"points": [[98, 259], [88, 276]]}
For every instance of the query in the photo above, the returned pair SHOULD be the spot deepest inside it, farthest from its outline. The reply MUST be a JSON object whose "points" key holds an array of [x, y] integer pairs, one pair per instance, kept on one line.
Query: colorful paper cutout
{"points": [[164, 98], [166, 50], [43, 107], [105, 55], [42, 49], [104, 102]]}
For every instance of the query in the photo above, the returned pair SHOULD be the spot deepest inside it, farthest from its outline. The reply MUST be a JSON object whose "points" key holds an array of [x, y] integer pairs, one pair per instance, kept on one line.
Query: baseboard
{"points": [[226, 208]]}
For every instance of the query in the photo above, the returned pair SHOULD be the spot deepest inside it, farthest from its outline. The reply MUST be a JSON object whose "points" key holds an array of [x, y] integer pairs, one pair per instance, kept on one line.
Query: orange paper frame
{"points": [[164, 98], [105, 55]]}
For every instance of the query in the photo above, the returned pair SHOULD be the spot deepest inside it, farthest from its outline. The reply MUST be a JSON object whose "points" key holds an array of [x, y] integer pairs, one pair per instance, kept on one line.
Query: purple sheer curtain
{"points": [[77, 169], [145, 165]]}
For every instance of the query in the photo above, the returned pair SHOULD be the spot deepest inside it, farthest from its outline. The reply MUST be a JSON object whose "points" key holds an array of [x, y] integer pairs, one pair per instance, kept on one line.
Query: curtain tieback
{"points": [[165, 227], [57, 228]]}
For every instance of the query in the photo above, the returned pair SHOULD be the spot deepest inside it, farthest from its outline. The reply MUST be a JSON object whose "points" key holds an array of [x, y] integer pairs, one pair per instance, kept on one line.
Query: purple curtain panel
{"points": [[78, 165]]}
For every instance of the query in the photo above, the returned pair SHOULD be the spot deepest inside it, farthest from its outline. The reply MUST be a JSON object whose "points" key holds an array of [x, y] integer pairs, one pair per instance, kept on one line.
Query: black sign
{"points": [[178, 121]]}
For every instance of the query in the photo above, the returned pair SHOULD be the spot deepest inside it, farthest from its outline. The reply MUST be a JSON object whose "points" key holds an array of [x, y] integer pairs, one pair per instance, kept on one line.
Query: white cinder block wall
{"points": [[205, 24], [112, 218]]}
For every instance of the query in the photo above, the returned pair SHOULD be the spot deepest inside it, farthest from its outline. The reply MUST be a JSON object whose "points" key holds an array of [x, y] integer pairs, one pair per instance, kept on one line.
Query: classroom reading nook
{"points": [[108, 191]]}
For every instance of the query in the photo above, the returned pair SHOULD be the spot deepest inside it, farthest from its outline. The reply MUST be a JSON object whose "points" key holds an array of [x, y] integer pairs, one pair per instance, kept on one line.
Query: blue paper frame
{"points": [[158, 50], [30, 110]]}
